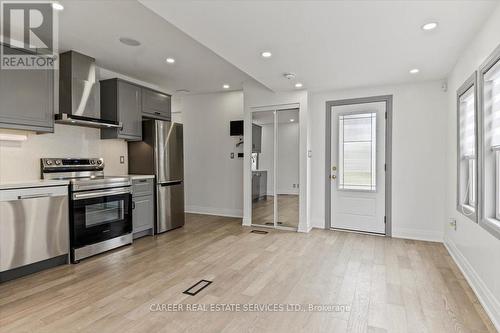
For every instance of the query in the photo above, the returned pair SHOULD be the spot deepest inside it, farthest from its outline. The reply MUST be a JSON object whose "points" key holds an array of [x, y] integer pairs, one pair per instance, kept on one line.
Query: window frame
{"points": [[492, 225], [497, 199], [468, 211]]}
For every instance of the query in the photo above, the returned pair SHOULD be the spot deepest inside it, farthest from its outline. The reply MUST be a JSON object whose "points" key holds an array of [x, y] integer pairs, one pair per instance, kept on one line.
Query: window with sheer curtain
{"points": [[467, 163], [491, 149]]}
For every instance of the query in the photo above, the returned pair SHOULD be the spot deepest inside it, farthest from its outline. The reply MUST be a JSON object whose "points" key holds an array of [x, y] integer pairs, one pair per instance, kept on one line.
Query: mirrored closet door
{"points": [[275, 168]]}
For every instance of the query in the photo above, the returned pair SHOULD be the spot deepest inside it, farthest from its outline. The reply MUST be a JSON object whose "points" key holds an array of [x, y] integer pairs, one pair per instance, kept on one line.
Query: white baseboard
{"points": [[318, 224], [306, 228], [247, 221], [214, 211], [487, 299], [417, 234]]}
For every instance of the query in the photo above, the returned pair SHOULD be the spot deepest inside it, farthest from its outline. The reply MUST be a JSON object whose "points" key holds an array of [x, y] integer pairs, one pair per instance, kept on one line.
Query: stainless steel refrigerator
{"points": [[161, 153]]}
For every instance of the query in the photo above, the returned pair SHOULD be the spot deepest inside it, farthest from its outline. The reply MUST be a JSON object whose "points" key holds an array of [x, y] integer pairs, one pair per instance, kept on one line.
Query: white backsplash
{"points": [[20, 160]]}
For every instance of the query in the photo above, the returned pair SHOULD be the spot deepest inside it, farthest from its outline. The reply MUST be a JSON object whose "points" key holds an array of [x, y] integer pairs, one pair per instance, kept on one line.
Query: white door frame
{"points": [[388, 155]]}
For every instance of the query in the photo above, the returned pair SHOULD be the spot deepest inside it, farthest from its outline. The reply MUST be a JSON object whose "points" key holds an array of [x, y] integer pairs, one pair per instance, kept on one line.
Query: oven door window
{"points": [[97, 219], [104, 212]]}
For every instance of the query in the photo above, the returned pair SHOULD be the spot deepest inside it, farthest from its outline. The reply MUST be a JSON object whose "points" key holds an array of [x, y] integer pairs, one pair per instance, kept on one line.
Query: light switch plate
{"points": [[232, 155], [122, 159]]}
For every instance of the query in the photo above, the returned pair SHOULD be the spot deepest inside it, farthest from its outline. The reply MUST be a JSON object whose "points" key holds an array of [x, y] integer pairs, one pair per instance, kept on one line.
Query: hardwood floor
{"points": [[288, 211], [390, 285]]}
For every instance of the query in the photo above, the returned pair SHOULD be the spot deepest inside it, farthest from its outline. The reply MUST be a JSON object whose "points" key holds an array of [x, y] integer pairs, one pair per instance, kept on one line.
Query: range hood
{"points": [[79, 103]]}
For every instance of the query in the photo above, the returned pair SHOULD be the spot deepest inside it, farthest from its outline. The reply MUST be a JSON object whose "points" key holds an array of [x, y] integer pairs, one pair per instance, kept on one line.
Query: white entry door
{"points": [[358, 167]]}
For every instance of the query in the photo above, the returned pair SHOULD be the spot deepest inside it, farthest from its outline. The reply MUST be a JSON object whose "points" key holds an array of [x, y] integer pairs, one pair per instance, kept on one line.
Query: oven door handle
{"points": [[97, 194]]}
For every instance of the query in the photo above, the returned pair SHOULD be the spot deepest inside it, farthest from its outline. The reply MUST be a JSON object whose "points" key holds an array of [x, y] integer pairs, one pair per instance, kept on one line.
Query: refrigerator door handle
{"points": [[171, 183]]}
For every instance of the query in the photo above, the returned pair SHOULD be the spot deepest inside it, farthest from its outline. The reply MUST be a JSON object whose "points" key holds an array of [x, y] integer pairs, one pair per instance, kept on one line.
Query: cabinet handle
{"points": [[133, 204], [157, 112]]}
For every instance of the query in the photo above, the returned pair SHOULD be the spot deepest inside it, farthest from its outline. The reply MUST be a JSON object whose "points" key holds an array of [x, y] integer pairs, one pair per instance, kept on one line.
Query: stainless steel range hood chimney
{"points": [[79, 103]]}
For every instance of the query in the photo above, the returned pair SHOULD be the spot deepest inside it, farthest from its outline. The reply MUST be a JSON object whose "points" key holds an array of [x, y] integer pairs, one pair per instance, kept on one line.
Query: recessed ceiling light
{"points": [[226, 86], [430, 26], [266, 54], [292, 120], [57, 6], [129, 41], [414, 71], [298, 85], [170, 60]]}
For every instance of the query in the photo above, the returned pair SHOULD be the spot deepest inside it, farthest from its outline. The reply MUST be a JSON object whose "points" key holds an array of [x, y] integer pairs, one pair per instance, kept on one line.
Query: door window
{"points": [[357, 151]]}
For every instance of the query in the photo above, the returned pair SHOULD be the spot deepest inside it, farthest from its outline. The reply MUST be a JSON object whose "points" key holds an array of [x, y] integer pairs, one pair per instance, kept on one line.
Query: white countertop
{"points": [[141, 176], [8, 185]]}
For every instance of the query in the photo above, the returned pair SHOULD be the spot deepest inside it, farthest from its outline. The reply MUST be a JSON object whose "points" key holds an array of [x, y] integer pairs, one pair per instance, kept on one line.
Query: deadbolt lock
{"points": [[333, 177], [334, 168]]}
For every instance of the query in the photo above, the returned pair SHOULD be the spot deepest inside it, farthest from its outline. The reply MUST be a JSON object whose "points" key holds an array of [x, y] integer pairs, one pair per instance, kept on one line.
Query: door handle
{"points": [[34, 196], [333, 177]]}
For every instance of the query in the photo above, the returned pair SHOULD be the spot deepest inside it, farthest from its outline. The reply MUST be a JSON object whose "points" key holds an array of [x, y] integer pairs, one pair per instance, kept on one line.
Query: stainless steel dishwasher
{"points": [[34, 231]]}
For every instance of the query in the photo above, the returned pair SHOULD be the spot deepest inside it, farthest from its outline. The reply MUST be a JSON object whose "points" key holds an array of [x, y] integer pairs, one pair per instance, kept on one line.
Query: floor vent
{"points": [[259, 232], [271, 223], [197, 287]]}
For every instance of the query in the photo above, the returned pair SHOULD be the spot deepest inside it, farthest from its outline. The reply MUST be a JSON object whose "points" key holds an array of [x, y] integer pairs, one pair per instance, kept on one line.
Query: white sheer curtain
{"points": [[467, 125], [495, 113]]}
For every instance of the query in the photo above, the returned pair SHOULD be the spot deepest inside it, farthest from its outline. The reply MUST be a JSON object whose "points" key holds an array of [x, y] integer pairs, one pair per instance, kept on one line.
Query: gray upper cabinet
{"points": [[156, 104], [27, 99], [121, 101], [256, 138]]}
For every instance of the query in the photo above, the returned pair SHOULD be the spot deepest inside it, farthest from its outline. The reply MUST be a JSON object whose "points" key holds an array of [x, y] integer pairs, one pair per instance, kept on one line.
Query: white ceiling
{"points": [[331, 44], [94, 27]]}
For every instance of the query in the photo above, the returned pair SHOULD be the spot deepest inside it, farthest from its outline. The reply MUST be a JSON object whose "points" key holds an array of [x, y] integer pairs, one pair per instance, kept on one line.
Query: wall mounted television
{"points": [[236, 128]]}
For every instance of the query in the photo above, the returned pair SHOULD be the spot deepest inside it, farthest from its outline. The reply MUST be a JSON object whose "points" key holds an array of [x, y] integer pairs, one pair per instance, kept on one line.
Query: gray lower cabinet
{"points": [[263, 185], [256, 138], [27, 99], [121, 101], [156, 104], [143, 207], [259, 185]]}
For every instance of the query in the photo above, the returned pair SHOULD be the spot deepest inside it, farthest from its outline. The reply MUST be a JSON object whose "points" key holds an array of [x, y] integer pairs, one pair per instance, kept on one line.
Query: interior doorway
{"points": [[358, 164], [275, 168]]}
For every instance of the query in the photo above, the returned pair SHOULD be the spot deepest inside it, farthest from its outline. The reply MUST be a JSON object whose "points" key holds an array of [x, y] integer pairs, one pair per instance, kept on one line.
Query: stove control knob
{"points": [[58, 162], [99, 162], [92, 162], [48, 162]]}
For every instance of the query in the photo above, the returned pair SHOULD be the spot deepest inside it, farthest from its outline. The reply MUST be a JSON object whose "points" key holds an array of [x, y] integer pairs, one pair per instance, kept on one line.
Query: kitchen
{"points": [[88, 146], [100, 211]]}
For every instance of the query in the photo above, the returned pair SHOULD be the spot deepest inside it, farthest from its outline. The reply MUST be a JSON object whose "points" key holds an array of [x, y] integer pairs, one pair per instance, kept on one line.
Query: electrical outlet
{"points": [[293, 185], [122, 159], [232, 156], [453, 224]]}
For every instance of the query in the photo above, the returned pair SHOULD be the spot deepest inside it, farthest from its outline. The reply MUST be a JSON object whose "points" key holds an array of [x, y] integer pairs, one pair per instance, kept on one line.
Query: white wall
{"points": [[256, 95], [473, 248], [288, 157], [418, 156], [213, 181]]}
